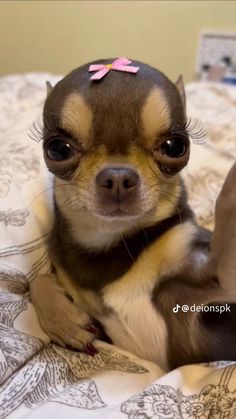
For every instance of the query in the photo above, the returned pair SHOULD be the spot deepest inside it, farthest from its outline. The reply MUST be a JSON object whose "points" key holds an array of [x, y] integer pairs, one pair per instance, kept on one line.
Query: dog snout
{"points": [[117, 184]]}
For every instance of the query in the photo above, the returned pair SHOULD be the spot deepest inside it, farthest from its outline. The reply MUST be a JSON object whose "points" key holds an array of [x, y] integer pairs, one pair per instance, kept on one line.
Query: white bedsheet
{"points": [[41, 380]]}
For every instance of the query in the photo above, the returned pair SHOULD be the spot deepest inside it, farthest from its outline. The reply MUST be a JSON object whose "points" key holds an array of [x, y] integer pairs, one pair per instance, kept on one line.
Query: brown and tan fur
{"points": [[128, 257]]}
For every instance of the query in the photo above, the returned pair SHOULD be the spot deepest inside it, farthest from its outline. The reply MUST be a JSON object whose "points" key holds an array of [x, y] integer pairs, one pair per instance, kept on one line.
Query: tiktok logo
{"points": [[176, 308]]}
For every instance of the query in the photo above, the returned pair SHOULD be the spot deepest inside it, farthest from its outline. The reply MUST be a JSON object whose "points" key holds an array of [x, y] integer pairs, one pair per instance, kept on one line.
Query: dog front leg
{"points": [[223, 245], [65, 322]]}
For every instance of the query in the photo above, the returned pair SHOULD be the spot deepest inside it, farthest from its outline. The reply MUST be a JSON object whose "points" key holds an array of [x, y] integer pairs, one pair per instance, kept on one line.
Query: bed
{"points": [[40, 379]]}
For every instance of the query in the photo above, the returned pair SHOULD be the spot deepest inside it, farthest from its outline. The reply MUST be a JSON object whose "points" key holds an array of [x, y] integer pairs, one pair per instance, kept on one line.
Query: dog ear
{"points": [[180, 86], [49, 87]]}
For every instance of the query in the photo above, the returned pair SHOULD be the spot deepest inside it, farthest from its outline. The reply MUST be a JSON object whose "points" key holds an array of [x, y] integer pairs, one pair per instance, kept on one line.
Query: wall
{"points": [[58, 36]]}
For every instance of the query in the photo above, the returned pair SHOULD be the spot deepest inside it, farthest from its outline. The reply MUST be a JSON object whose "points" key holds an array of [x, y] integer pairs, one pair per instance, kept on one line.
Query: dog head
{"points": [[116, 146]]}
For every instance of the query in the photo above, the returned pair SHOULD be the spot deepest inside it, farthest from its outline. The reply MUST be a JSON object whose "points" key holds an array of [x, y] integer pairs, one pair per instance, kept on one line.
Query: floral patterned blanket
{"points": [[39, 379]]}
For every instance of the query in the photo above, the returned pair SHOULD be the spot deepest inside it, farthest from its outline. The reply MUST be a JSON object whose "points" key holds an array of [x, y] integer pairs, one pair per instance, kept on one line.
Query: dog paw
{"points": [[65, 322], [223, 245]]}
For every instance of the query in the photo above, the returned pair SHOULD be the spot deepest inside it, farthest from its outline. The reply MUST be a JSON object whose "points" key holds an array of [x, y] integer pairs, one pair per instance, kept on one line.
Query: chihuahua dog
{"points": [[126, 249]]}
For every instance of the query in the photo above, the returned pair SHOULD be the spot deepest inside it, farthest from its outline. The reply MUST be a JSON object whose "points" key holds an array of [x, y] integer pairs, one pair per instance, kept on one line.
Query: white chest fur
{"points": [[136, 326]]}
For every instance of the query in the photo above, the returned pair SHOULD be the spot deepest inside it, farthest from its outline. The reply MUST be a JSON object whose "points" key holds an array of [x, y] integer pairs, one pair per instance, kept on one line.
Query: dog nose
{"points": [[117, 183]]}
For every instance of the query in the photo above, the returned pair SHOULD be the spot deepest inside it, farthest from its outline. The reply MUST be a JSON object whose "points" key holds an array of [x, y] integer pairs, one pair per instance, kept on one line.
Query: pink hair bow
{"points": [[121, 64]]}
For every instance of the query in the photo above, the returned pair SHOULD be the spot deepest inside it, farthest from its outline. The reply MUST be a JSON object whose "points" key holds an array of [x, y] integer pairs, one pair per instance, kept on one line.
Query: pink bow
{"points": [[121, 64]]}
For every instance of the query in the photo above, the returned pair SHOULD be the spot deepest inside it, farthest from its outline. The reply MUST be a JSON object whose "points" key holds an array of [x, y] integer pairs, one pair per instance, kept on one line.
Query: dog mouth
{"points": [[118, 213]]}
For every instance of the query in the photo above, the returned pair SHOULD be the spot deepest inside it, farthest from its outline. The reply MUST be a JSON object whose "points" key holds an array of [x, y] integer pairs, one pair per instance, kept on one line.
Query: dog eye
{"points": [[174, 148], [59, 150]]}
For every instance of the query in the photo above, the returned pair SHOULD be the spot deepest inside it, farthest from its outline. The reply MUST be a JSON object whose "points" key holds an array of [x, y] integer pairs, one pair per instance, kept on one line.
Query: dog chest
{"points": [[124, 306], [132, 320]]}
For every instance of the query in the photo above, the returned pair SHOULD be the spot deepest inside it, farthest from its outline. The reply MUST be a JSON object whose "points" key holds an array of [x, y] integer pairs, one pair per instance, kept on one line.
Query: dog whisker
{"points": [[126, 246], [44, 192]]}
